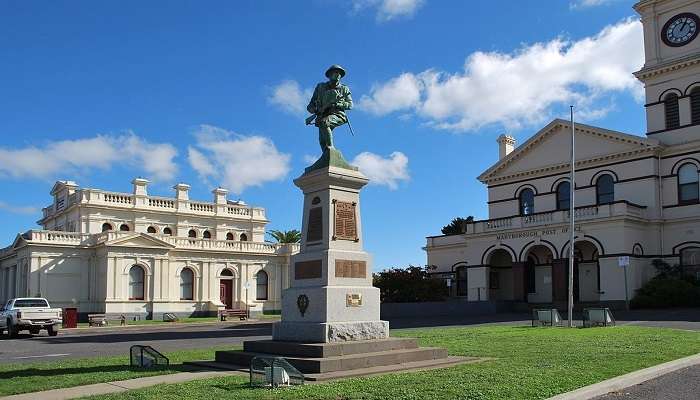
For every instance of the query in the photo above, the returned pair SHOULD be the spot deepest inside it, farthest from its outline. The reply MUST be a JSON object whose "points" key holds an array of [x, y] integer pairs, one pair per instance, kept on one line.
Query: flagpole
{"points": [[572, 209]]}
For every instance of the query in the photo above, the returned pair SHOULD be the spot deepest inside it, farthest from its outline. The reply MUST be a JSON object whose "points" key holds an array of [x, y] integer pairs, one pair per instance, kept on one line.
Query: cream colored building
{"points": [[132, 253], [636, 196]]}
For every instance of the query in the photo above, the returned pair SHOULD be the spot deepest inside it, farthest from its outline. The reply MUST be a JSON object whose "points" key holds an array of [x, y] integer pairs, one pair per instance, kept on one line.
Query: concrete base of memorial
{"points": [[322, 361]]}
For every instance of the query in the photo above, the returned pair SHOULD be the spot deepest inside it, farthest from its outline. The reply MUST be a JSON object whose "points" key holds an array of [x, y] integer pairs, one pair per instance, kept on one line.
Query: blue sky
{"points": [[212, 93]]}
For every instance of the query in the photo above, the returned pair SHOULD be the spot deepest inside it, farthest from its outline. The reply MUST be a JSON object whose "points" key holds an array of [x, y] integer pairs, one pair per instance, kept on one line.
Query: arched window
{"points": [[107, 227], [206, 235], [563, 196], [167, 231], [244, 237], [695, 105], [229, 236], [671, 111], [527, 202], [605, 189], [186, 284], [226, 272], [136, 283], [261, 289], [124, 227], [151, 229], [688, 191], [192, 233]]}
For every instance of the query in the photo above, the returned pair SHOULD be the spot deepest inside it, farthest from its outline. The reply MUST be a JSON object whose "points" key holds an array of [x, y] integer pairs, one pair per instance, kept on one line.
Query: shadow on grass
{"points": [[49, 372]]}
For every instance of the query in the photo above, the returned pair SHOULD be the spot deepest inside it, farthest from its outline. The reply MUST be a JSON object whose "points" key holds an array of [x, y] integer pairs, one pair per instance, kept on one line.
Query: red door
{"points": [[226, 293]]}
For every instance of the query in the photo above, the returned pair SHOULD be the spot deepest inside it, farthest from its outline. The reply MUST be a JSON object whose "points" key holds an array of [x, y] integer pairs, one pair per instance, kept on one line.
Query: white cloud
{"points": [[383, 171], [56, 159], [389, 9], [519, 88], [236, 161], [578, 4], [19, 209], [290, 97]]}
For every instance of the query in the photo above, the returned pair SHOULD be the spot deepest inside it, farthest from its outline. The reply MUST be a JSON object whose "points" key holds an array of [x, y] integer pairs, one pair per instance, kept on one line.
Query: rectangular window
{"points": [[461, 282], [689, 193]]}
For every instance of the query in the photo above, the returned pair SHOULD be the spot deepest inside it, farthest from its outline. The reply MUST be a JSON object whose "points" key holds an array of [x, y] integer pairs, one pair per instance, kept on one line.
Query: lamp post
{"points": [[247, 309]]}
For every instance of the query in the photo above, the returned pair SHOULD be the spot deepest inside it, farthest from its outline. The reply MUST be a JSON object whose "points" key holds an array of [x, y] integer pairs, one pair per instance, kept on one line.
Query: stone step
{"points": [[315, 365], [321, 350]]}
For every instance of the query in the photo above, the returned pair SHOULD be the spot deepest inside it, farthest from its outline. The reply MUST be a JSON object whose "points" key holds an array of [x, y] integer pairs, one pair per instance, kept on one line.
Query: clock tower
{"points": [[671, 72]]}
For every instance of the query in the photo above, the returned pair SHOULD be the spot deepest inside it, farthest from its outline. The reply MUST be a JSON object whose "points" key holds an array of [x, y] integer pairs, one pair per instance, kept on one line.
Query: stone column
{"points": [[519, 282]]}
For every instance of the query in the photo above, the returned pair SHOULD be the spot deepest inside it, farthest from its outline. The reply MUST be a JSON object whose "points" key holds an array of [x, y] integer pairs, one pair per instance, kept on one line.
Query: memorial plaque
{"points": [[307, 269], [353, 300], [314, 232], [350, 269], [344, 220]]}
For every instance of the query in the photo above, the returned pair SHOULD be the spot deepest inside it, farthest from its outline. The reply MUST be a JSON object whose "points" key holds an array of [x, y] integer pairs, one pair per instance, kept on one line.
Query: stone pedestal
{"points": [[331, 297]]}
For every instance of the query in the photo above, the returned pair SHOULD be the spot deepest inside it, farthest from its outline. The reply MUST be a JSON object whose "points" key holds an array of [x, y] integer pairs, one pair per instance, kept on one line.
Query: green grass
{"points": [[113, 323], [24, 378], [533, 363]]}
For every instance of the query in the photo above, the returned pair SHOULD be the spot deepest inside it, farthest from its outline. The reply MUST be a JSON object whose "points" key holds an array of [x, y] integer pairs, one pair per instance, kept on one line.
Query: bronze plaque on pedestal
{"points": [[350, 269], [307, 269], [345, 224], [314, 232], [353, 300]]}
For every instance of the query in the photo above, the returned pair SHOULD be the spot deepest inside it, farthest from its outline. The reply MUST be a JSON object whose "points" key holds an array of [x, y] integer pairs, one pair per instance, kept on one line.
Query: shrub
{"points": [[668, 289], [410, 284]]}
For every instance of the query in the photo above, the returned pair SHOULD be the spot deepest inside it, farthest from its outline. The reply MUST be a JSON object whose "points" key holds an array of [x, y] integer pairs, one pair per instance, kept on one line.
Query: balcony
{"points": [[90, 240], [166, 204], [584, 213]]}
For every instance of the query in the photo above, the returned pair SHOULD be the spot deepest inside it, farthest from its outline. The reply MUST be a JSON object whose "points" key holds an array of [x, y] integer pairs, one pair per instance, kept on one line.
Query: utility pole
{"points": [[572, 211]]}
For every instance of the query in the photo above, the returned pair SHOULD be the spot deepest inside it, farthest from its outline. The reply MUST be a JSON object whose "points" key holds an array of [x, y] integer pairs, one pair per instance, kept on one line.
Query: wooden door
{"points": [[226, 292]]}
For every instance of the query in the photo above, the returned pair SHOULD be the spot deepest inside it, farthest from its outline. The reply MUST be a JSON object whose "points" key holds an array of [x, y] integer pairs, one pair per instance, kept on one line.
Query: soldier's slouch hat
{"points": [[335, 67]]}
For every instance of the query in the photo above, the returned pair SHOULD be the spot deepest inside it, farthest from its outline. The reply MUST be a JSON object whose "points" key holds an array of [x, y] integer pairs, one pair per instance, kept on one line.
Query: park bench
{"points": [[233, 312]]}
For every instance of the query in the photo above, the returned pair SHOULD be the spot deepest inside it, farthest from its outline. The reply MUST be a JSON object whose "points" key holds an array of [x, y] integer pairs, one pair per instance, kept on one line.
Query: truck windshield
{"points": [[31, 303]]}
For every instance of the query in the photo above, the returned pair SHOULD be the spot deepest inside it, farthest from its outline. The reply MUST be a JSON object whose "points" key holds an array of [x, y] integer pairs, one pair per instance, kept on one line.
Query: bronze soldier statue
{"points": [[328, 105]]}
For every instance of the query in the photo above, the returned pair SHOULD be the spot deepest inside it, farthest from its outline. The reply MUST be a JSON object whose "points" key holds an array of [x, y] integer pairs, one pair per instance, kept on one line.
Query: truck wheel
{"points": [[12, 330], [52, 331]]}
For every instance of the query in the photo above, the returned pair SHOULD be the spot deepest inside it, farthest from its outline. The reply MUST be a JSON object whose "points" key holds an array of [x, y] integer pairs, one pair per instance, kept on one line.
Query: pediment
{"points": [[551, 148], [139, 240]]}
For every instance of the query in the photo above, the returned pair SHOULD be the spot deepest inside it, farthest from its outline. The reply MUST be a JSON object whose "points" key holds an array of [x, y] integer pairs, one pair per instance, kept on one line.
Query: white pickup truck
{"points": [[31, 314]]}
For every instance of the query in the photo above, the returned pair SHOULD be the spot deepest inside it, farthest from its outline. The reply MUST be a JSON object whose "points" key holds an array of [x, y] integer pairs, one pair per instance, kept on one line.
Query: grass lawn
{"points": [[23, 378], [533, 363]]}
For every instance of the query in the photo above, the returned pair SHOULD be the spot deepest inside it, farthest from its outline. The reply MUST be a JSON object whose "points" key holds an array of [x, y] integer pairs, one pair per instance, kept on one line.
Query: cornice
{"points": [[649, 72]]}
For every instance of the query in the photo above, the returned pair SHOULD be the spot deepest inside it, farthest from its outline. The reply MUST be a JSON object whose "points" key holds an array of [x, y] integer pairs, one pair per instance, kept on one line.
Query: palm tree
{"points": [[292, 236]]}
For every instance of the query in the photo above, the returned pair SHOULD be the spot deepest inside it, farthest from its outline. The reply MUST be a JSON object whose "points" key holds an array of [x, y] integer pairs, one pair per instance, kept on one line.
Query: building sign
{"points": [[535, 233], [623, 261], [345, 225]]}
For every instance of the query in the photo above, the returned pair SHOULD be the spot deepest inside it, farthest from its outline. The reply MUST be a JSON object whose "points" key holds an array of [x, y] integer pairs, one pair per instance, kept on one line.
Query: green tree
{"points": [[457, 225], [291, 236], [409, 284]]}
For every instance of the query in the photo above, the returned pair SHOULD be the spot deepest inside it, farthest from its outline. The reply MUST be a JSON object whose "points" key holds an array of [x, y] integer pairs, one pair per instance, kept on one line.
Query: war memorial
{"points": [[330, 324]]}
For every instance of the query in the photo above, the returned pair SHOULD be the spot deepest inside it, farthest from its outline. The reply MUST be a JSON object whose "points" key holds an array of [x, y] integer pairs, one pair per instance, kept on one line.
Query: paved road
{"points": [[99, 342], [682, 384]]}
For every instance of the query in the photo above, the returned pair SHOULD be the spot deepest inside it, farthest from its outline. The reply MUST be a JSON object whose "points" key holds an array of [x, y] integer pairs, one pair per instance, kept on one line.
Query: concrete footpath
{"points": [[119, 386], [629, 380]]}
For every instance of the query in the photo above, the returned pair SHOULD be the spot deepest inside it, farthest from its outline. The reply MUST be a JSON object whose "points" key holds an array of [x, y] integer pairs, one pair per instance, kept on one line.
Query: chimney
{"points": [[140, 186], [220, 195], [182, 191], [506, 144]]}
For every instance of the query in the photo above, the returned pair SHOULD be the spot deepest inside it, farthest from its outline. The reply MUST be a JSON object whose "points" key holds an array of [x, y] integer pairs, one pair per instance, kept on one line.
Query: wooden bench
{"points": [[233, 312]]}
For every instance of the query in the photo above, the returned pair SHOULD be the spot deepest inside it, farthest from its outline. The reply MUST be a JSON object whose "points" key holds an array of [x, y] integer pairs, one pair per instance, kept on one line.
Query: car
{"points": [[31, 314]]}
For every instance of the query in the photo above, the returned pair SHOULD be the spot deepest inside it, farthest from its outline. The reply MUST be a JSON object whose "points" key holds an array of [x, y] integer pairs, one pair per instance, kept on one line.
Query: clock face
{"points": [[680, 30]]}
